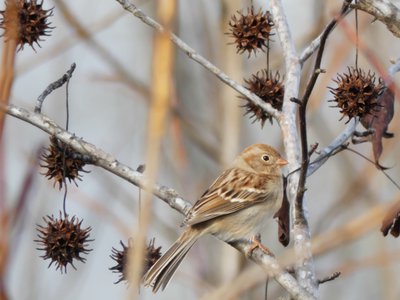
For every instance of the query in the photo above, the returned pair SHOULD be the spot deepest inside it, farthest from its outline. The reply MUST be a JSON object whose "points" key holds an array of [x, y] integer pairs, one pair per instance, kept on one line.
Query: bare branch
{"points": [[333, 146], [314, 45], [98, 156], [304, 267], [310, 49], [305, 158], [383, 10], [52, 86], [168, 195], [394, 68], [329, 278], [192, 54]]}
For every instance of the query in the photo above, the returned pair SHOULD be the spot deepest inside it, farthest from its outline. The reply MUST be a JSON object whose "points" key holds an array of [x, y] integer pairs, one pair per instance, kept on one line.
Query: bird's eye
{"points": [[265, 157]]}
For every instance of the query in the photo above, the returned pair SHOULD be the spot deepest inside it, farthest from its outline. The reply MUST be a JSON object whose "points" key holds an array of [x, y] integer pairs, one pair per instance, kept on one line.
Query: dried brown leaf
{"points": [[283, 218], [379, 122], [391, 222]]}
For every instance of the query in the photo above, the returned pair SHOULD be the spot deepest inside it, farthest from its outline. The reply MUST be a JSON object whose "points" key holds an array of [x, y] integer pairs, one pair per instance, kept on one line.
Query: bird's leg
{"points": [[256, 243]]}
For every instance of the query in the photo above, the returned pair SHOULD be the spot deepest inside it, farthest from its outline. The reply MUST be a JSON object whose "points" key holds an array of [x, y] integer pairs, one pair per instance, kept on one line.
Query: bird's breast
{"points": [[244, 223]]}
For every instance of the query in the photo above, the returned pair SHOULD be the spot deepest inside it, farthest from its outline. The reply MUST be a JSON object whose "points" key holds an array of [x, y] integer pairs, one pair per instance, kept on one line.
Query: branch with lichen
{"points": [[383, 10], [304, 266], [106, 161]]}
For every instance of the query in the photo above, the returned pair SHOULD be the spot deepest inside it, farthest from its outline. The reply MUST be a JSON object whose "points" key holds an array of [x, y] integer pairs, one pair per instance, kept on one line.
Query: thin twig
{"points": [[67, 99], [329, 278], [192, 54], [141, 168], [53, 86], [314, 45], [64, 166], [357, 37], [302, 113], [397, 185], [311, 48], [336, 144], [64, 206], [320, 160]]}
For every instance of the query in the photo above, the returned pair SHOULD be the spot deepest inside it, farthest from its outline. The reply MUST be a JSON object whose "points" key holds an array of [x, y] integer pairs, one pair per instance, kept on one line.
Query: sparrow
{"points": [[233, 208]]}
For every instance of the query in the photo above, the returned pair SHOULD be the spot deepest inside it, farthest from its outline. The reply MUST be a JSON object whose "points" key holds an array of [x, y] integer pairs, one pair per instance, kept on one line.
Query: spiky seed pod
{"points": [[63, 241], [152, 255], [32, 22], [269, 88], [356, 93], [251, 31], [121, 258], [62, 162]]}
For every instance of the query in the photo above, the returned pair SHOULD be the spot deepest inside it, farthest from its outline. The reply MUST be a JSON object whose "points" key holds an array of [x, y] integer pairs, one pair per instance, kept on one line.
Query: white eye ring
{"points": [[265, 157]]}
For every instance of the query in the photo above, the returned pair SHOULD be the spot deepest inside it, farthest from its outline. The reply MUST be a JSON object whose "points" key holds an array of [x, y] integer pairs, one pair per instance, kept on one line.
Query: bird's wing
{"points": [[232, 191]]}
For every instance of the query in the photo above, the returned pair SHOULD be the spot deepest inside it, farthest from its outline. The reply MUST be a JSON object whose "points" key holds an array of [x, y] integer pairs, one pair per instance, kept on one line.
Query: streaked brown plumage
{"points": [[232, 208]]}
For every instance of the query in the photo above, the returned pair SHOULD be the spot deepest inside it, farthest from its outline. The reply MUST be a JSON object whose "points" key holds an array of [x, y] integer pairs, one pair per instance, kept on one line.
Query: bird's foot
{"points": [[256, 243]]}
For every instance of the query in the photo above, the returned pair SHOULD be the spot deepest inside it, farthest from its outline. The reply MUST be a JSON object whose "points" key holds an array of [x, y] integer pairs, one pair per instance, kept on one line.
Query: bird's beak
{"points": [[281, 162]]}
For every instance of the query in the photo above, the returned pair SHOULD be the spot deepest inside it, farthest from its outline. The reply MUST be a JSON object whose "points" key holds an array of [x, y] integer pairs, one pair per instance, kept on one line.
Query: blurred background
{"points": [[109, 99]]}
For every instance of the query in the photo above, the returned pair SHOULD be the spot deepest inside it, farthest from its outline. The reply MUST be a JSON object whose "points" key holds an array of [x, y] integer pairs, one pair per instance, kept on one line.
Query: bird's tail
{"points": [[161, 272]]}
